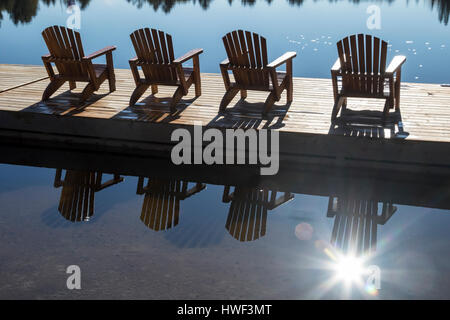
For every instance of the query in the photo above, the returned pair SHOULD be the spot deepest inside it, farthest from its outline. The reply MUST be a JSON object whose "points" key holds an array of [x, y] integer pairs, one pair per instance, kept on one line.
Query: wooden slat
{"points": [[376, 65], [369, 63], [362, 64]]}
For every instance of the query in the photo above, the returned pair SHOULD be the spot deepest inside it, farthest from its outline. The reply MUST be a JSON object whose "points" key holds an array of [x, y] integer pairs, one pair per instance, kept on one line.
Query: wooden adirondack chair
{"points": [[362, 67], [161, 207], [66, 52], [356, 223], [247, 59], [155, 56], [78, 193], [248, 211]]}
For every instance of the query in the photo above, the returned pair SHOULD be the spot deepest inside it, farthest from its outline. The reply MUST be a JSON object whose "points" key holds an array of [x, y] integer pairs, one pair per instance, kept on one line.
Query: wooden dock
{"points": [[420, 143]]}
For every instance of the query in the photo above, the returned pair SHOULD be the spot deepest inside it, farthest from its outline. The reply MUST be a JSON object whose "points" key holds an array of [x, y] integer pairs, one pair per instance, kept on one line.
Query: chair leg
{"points": [[243, 94], [137, 93], [229, 95], [88, 91], [53, 86], [337, 107], [290, 90], [72, 85], [387, 106], [112, 82], [154, 89], [290, 83], [197, 80], [176, 98], [269, 102], [111, 74]]}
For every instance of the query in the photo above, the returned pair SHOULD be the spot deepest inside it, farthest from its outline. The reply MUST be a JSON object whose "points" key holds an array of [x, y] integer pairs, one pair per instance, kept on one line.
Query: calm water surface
{"points": [[289, 253], [417, 29], [213, 247]]}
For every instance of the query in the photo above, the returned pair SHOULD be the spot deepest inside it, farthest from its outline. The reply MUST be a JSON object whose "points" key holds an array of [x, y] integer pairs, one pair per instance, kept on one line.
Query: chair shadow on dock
{"points": [[65, 103], [155, 109], [368, 124], [245, 115]]}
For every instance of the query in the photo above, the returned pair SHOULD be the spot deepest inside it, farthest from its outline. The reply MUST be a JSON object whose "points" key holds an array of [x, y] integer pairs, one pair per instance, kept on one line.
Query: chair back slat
{"points": [[247, 54], [369, 64], [363, 62], [64, 43], [154, 49]]}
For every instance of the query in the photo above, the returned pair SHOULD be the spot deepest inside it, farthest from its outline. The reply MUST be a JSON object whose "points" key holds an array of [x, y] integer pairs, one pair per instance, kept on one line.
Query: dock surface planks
{"points": [[425, 115]]}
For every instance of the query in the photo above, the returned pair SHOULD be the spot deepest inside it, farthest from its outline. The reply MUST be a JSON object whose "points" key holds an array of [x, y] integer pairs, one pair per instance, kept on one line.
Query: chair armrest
{"points": [[225, 63], [336, 68], [134, 60], [187, 56], [47, 57], [99, 53], [395, 65], [283, 59]]}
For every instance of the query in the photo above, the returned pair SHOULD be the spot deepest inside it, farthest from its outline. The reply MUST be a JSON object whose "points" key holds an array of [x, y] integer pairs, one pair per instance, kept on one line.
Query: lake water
{"points": [[417, 29], [296, 250]]}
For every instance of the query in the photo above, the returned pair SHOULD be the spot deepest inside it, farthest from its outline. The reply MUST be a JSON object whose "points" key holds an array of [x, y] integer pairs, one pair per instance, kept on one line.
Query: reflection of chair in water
{"points": [[248, 211], [161, 207], [356, 223], [78, 193]]}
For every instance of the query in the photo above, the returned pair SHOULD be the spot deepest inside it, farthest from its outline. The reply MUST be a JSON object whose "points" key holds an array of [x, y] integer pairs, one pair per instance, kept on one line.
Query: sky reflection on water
{"points": [[144, 240], [416, 29]]}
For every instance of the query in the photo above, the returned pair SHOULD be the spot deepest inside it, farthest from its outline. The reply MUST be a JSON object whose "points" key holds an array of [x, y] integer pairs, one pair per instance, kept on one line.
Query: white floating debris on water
{"points": [[429, 48], [420, 65], [443, 46], [397, 50], [409, 41], [389, 45], [315, 49], [427, 43], [415, 53], [416, 77]]}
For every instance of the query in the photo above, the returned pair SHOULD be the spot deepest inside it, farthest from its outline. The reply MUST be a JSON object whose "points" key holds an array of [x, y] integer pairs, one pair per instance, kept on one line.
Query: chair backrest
{"points": [[154, 49], [66, 48], [247, 216], [161, 207], [247, 54], [78, 195], [363, 63]]}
